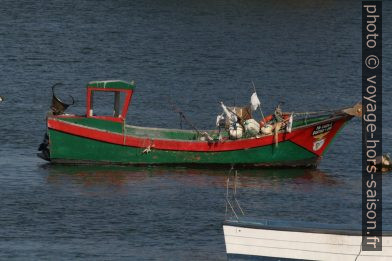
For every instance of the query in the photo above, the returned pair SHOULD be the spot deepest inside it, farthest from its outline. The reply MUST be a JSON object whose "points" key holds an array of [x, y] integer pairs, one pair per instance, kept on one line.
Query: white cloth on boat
{"points": [[254, 101], [230, 115], [290, 124], [219, 119]]}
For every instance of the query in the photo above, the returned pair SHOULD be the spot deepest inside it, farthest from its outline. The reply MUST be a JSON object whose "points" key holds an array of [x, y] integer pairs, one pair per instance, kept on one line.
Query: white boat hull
{"points": [[247, 243]]}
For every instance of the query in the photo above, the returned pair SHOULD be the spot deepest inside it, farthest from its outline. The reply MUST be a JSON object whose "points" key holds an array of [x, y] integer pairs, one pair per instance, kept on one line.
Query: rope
{"points": [[180, 120], [313, 112]]}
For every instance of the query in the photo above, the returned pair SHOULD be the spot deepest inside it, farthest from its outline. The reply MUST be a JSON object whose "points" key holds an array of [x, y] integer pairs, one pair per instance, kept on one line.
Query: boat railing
{"points": [[355, 110]]}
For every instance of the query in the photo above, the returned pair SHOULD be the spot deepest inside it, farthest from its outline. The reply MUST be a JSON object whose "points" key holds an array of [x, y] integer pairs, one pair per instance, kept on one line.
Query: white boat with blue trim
{"points": [[255, 239], [277, 240]]}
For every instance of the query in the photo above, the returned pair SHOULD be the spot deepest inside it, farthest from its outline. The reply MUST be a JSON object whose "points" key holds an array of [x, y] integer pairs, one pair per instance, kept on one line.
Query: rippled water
{"points": [[305, 53]]}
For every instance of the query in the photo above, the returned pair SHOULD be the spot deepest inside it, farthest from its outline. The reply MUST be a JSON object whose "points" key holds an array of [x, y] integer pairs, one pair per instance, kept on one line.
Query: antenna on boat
{"points": [[233, 196], [227, 193], [228, 203], [235, 192]]}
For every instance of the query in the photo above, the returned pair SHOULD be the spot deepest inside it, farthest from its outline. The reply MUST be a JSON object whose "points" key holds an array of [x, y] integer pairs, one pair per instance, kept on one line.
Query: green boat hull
{"points": [[66, 148]]}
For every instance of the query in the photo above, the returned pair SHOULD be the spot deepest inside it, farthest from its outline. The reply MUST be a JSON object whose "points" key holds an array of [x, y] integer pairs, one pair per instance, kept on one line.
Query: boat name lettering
{"points": [[322, 128]]}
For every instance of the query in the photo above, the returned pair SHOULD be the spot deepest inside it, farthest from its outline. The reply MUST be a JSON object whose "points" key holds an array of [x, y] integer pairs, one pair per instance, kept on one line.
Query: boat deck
{"points": [[179, 134], [161, 133]]}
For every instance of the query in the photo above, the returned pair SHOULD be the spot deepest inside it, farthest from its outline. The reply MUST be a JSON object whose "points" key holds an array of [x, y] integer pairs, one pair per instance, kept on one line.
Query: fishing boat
{"points": [[109, 139], [248, 239]]}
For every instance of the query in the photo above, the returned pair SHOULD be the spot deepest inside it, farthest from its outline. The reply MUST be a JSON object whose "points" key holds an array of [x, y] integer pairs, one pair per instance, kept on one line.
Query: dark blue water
{"points": [[304, 53]]}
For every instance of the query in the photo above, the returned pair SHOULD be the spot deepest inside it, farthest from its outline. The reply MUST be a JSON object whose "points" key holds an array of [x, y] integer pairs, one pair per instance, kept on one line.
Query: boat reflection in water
{"points": [[129, 175]]}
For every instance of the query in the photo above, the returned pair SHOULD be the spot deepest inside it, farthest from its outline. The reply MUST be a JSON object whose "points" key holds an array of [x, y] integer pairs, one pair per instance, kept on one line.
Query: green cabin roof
{"points": [[114, 84]]}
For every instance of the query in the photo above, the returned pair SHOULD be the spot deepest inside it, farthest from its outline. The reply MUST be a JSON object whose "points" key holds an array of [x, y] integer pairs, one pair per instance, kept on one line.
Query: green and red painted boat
{"points": [[108, 139]]}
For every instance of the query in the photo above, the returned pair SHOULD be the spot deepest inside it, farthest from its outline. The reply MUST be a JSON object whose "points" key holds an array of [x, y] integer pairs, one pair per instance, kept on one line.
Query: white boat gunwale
{"points": [[302, 226]]}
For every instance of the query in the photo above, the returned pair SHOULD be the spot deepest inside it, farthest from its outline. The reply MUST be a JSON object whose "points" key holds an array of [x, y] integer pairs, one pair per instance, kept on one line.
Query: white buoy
{"points": [[386, 161], [236, 132], [1, 99], [252, 127], [267, 129]]}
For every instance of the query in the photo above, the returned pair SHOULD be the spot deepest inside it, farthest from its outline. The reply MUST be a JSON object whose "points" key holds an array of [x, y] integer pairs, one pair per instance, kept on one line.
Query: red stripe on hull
{"points": [[301, 136]]}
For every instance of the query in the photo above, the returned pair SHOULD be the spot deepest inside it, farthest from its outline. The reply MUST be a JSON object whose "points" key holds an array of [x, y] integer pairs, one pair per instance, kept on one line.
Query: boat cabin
{"points": [[120, 90]]}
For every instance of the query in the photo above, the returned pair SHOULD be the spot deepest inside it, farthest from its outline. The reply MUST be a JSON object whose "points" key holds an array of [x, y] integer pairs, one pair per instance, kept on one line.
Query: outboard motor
{"points": [[44, 148], [57, 107]]}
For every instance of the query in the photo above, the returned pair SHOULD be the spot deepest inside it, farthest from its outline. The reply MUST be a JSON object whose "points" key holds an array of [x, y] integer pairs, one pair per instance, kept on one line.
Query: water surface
{"points": [[306, 54]]}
